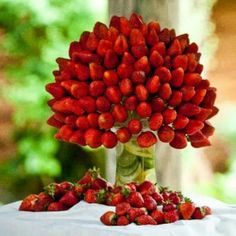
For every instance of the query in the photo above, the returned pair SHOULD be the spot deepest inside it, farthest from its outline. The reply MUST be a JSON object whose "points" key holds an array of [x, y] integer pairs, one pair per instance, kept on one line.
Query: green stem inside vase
{"points": [[134, 163]]}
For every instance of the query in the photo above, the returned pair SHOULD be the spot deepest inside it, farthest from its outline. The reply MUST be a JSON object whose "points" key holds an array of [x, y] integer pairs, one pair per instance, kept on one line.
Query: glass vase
{"points": [[134, 163]]}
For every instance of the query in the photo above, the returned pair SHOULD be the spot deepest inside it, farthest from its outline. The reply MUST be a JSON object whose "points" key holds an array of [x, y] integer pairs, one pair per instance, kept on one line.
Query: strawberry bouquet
{"points": [[142, 203], [131, 85]]}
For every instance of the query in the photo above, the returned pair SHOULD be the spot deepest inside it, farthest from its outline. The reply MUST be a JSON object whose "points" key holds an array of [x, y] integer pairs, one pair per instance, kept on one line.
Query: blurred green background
{"points": [[32, 35]]}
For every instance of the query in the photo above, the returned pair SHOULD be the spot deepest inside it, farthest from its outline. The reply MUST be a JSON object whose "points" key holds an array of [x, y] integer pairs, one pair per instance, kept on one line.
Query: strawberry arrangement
{"points": [[139, 203], [128, 75]]}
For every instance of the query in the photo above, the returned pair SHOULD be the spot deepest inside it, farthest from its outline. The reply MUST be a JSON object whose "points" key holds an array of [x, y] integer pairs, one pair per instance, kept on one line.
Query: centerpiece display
{"points": [[129, 86]]}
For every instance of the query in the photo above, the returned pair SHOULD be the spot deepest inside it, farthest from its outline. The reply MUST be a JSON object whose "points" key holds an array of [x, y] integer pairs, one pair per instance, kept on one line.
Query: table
{"points": [[83, 220]]}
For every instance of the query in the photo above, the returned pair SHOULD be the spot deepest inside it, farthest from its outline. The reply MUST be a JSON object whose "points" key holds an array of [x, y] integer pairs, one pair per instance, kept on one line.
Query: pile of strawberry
{"points": [[139, 203], [128, 73]]}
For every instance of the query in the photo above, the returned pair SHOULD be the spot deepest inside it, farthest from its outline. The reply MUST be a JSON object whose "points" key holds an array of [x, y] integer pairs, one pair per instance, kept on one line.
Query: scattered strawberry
{"points": [[158, 216], [145, 220], [135, 199], [56, 206], [122, 221], [94, 196], [207, 209], [69, 199], [122, 208], [147, 188], [28, 204], [171, 216], [133, 213], [186, 209], [149, 203], [109, 218], [199, 213]]}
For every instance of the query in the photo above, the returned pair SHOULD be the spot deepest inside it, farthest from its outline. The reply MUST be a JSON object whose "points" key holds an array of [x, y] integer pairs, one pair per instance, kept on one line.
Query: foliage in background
{"points": [[35, 33]]}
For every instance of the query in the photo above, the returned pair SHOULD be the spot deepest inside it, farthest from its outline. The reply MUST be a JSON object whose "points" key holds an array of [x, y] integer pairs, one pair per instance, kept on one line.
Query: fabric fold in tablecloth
{"points": [[83, 220]]}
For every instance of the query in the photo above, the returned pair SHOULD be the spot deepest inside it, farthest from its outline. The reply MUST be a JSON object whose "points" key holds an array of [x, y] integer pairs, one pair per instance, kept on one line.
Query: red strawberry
{"points": [[102, 104], [109, 218], [135, 212], [158, 105], [96, 88], [166, 134], [119, 113], [147, 188], [99, 183], [93, 120], [199, 213], [109, 139], [110, 78], [180, 122], [82, 123], [126, 87], [174, 198], [146, 139], [56, 190], [131, 103], [94, 196], [93, 137], [79, 190], [28, 204], [123, 134], [122, 220], [175, 99], [171, 216], [158, 216], [158, 198], [155, 121], [207, 209], [113, 94], [134, 126], [43, 202], [69, 199], [138, 77], [145, 220], [168, 207], [163, 73], [141, 92], [122, 208], [186, 209], [149, 203], [165, 91], [105, 120], [179, 141], [115, 198], [135, 199], [132, 187], [56, 206], [153, 84]]}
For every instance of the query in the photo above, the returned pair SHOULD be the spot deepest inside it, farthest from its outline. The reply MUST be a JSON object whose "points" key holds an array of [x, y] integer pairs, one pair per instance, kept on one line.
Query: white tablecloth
{"points": [[83, 220]]}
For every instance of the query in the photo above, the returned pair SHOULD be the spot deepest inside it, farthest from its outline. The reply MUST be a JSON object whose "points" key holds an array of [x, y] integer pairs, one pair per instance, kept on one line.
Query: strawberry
{"points": [[158, 104], [93, 137], [96, 71], [141, 92], [135, 199], [146, 139], [153, 84], [126, 87], [147, 188], [109, 218], [56, 206], [123, 134], [69, 199], [115, 198], [54, 122], [109, 139], [122, 220], [155, 121], [138, 77], [158, 198], [135, 212], [110, 78], [113, 94], [171, 216], [131, 103], [94, 196], [175, 99], [56, 90], [145, 220], [186, 209], [105, 120], [180, 122], [149, 203], [179, 141], [166, 134], [169, 115], [43, 202], [134, 126], [158, 216], [207, 209], [99, 183], [28, 203], [131, 186], [199, 213], [111, 59], [56, 190], [163, 73], [79, 190], [121, 45], [102, 104], [156, 59], [82, 123], [96, 88], [119, 113], [168, 207], [122, 208], [93, 120], [174, 198]]}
